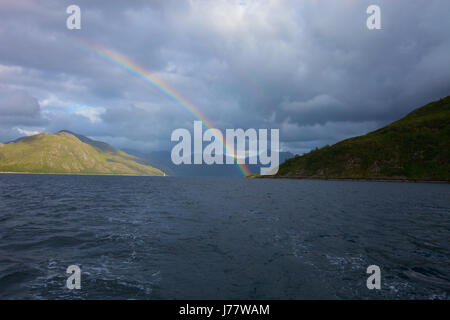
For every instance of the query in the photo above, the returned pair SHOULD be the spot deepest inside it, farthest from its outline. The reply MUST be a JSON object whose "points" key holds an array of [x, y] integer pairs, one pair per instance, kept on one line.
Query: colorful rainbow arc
{"points": [[137, 70]]}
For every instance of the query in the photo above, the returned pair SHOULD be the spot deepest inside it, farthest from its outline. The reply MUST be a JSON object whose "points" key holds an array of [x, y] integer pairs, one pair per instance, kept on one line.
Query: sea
{"points": [[221, 238]]}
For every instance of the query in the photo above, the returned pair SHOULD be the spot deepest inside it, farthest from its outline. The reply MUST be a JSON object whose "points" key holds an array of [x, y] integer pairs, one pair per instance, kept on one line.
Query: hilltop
{"points": [[70, 153], [414, 147]]}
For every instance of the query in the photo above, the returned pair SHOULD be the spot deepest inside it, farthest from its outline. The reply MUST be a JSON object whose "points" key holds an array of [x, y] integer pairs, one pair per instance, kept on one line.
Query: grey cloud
{"points": [[19, 113], [19, 108], [19, 103], [310, 68]]}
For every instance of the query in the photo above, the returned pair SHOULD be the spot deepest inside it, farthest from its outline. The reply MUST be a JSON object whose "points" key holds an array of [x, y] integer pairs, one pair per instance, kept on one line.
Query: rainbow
{"points": [[126, 64]]}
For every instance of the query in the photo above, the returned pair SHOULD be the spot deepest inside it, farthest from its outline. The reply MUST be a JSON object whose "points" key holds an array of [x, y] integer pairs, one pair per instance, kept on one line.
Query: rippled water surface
{"points": [[220, 238]]}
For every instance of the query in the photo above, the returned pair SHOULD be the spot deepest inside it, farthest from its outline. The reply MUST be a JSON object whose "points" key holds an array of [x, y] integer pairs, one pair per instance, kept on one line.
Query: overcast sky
{"points": [[310, 68]]}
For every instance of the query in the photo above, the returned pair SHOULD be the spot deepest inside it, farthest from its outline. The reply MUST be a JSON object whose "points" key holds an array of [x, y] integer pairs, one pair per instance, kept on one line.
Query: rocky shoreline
{"points": [[377, 179]]}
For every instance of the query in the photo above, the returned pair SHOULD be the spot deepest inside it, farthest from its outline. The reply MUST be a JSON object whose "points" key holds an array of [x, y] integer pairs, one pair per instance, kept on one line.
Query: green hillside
{"points": [[66, 152], [415, 147]]}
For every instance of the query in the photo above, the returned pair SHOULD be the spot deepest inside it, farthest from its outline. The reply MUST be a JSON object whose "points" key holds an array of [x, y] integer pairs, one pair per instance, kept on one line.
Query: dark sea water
{"points": [[221, 238]]}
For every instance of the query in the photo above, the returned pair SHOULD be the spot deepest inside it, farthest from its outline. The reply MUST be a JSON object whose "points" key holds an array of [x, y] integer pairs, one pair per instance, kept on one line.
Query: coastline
{"points": [[366, 179], [81, 174]]}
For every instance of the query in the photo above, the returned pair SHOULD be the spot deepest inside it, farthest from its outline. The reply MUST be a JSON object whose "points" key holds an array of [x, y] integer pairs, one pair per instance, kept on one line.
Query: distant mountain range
{"points": [[414, 147], [70, 153], [162, 160]]}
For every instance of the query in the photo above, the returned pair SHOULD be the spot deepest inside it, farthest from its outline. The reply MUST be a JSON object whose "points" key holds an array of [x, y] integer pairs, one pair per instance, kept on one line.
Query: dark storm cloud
{"points": [[310, 68]]}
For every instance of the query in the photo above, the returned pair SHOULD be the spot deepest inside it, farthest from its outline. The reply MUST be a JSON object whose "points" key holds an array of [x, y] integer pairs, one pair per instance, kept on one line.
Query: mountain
{"points": [[67, 152], [414, 147], [162, 160]]}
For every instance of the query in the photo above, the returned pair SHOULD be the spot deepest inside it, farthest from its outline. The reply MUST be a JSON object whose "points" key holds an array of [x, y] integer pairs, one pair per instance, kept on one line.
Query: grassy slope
{"points": [[65, 153], [417, 146]]}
